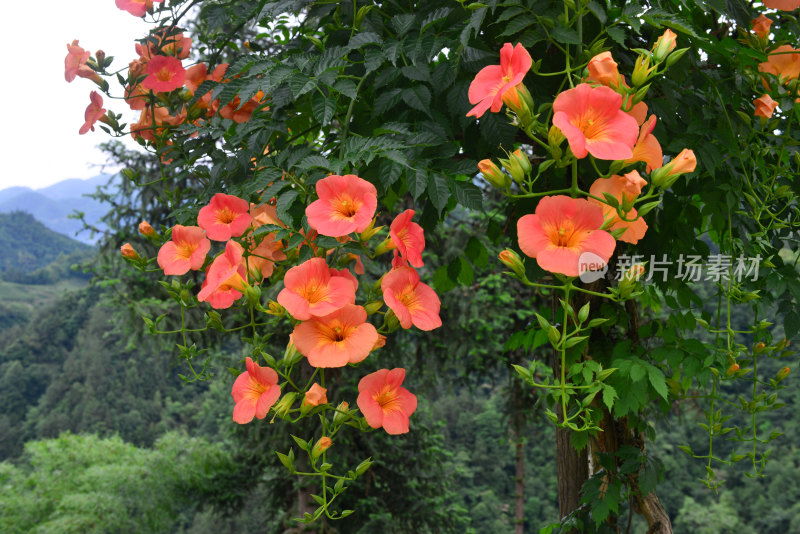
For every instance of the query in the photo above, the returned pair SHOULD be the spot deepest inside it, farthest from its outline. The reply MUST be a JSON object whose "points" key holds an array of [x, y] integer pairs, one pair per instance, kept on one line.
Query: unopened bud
{"points": [[101, 58], [321, 446], [146, 230], [372, 307], [253, 294], [283, 406], [291, 355], [628, 282], [391, 321], [732, 370], [664, 45], [128, 252], [683, 163], [493, 174], [783, 373], [759, 347], [514, 169], [511, 259], [341, 414], [675, 56], [555, 136], [519, 100], [523, 160]]}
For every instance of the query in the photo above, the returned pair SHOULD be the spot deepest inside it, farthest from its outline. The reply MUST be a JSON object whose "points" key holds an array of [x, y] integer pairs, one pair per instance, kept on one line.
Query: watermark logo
{"points": [[591, 267]]}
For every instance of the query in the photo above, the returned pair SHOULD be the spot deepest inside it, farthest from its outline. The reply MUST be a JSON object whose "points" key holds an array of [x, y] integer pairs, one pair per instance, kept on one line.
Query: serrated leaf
{"points": [[283, 204], [438, 192], [609, 396], [360, 39], [658, 381], [562, 34], [468, 195], [418, 97], [417, 181], [419, 73], [617, 34]]}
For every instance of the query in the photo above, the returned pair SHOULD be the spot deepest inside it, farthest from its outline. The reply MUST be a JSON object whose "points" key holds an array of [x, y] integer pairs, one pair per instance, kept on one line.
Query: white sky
{"points": [[41, 112]]}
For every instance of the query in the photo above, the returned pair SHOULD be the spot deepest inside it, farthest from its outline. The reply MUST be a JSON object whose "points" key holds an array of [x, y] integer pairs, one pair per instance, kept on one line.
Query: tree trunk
{"points": [[519, 489], [573, 471]]}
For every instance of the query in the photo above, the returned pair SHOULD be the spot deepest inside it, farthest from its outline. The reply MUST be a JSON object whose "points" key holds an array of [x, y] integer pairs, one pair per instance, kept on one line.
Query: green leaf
{"points": [[658, 381], [617, 34], [465, 274], [468, 195], [442, 281], [285, 201], [417, 182], [791, 324], [360, 39], [637, 372], [438, 192], [418, 73], [566, 35], [476, 252], [609, 395], [418, 97]]}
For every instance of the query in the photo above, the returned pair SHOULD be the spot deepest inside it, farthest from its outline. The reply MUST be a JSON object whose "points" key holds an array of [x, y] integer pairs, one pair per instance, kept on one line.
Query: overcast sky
{"points": [[41, 112]]}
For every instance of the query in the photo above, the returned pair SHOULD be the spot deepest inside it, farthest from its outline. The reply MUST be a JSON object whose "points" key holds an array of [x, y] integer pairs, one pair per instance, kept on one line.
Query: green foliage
{"points": [[87, 484]]}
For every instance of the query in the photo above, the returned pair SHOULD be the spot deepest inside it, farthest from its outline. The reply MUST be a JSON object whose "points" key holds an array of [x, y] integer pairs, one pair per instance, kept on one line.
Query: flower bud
{"points": [[555, 136], [676, 56], [315, 396], [602, 68], [391, 321], [291, 355], [511, 259], [321, 446], [523, 160], [664, 45], [759, 347], [128, 252], [683, 163], [493, 174], [146, 230], [761, 26], [765, 106], [732, 370], [514, 168], [783, 373], [283, 406], [253, 295], [629, 279], [341, 414], [519, 100], [101, 58], [372, 307]]}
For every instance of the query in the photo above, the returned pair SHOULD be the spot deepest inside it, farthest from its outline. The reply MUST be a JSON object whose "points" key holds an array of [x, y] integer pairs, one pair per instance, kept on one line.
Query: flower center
{"points": [[345, 207], [388, 398], [225, 216], [164, 75]]}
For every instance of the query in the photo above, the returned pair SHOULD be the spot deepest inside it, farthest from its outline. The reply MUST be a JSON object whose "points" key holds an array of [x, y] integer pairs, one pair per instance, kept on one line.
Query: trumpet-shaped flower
{"points": [[315, 395], [603, 69], [411, 301], [94, 111], [761, 26], [783, 62], [224, 217], [164, 74], [560, 231], [254, 392], [784, 5], [625, 189], [263, 257], [647, 147], [337, 339], [408, 237], [225, 279], [384, 402], [592, 121], [346, 204], [186, 250], [765, 106], [75, 62], [165, 42], [312, 290], [491, 83], [137, 8]]}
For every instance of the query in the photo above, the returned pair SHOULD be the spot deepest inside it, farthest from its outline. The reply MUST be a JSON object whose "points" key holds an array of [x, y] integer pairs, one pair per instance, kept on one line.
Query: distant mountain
{"points": [[28, 245], [53, 204]]}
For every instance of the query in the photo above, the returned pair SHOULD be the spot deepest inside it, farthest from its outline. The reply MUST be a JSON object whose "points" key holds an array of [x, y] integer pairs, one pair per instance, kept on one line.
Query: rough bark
{"points": [[519, 489], [573, 470]]}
